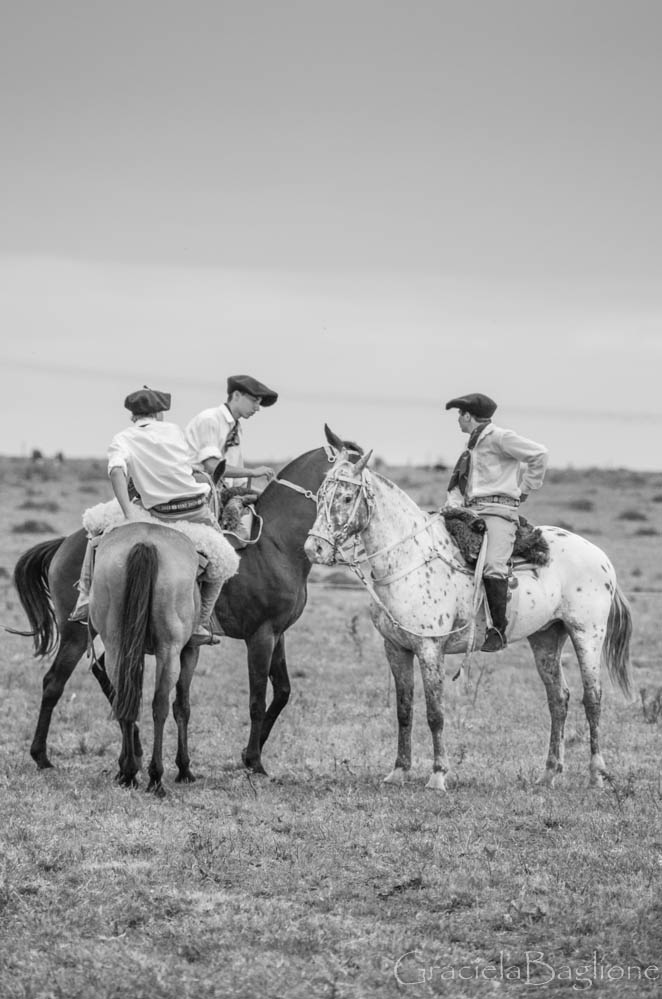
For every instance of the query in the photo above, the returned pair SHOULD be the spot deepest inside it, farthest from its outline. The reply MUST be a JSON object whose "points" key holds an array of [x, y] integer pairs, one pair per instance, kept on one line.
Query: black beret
{"points": [[244, 383], [480, 406], [146, 401]]}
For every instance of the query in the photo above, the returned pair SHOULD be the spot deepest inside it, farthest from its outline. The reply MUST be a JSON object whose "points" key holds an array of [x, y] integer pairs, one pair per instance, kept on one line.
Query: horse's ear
{"points": [[362, 462], [332, 438]]}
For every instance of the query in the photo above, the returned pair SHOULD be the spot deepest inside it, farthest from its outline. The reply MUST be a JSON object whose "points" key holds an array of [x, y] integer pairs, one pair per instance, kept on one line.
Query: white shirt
{"points": [[154, 453], [206, 435]]}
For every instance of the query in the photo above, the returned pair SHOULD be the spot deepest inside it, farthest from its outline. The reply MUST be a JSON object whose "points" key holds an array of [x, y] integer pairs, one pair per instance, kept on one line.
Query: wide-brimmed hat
{"points": [[245, 383], [146, 401], [479, 405]]}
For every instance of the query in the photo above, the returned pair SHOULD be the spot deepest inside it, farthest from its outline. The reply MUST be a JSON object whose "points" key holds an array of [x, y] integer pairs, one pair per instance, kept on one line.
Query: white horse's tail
{"points": [[616, 646]]}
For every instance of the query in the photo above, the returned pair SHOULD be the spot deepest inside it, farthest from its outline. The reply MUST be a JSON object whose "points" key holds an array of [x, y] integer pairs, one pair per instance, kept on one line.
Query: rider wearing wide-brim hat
{"points": [[493, 477], [215, 433]]}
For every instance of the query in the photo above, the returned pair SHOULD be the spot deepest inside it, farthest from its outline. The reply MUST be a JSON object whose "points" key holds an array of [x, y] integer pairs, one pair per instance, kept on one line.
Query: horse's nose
{"points": [[318, 551]]}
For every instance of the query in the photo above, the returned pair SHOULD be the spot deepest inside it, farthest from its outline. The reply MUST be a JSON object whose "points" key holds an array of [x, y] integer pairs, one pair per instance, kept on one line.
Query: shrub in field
{"points": [[33, 527], [646, 531], [657, 498], [581, 503], [49, 506], [651, 704], [631, 514]]}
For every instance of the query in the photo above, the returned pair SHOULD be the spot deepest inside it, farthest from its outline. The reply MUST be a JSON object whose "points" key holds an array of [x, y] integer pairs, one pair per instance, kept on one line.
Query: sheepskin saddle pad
{"points": [[467, 529], [217, 556]]}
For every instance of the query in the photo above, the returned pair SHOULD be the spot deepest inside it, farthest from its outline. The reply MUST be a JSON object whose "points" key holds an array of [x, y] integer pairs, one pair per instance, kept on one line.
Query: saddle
{"points": [[467, 530], [237, 515]]}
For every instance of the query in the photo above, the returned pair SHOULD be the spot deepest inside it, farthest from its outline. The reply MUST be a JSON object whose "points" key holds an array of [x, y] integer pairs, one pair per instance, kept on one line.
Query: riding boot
{"points": [[496, 591], [80, 611], [202, 633]]}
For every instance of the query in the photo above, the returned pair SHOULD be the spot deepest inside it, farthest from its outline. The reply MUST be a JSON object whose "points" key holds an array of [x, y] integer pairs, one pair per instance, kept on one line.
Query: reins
{"points": [[338, 538]]}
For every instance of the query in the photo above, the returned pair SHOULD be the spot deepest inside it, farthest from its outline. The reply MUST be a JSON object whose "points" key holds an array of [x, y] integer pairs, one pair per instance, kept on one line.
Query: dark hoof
{"points": [[42, 762], [185, 777], [156, 788], [125, 781], [255, 766]]}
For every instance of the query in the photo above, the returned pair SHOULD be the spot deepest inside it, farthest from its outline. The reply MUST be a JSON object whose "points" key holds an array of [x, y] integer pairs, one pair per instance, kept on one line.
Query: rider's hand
{"points": [[524, 497], [263, 471]]}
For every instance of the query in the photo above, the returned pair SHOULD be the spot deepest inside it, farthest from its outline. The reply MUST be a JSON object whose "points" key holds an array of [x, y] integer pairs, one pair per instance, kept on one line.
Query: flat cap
{"points": [[245, 383], [479, 405], [147, 400]]}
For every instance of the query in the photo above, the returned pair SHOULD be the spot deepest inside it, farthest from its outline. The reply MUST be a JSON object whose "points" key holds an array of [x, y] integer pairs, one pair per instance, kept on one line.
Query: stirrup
{"points": [[494, 641], [203, 636], [80, 613]]}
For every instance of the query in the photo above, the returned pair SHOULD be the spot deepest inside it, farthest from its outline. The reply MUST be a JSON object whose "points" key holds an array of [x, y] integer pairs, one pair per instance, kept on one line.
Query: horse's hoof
{"points": [[156, 788], [396, 776], [437, 782], [255, 767], [546, 780], [43, 763], [185, 777]]}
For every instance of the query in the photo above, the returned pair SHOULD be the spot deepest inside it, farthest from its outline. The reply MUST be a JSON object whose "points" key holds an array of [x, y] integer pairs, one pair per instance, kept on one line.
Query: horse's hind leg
{"points": [[401, 662], [128, 764], [181, 709], [167, 667], [73, 642], [547, 646], [589, 653], [101, 676]]}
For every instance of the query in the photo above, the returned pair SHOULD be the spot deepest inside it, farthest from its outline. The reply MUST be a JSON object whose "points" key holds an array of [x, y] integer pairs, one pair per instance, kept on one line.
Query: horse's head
{"points": [[344, 504]]}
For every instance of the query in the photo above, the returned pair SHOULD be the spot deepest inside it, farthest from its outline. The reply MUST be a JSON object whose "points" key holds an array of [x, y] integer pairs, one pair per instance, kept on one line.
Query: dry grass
{"points": [[316, 881]]}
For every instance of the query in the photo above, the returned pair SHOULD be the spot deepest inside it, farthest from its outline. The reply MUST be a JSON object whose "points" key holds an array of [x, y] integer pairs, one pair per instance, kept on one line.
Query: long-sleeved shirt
{"points": [[502, 463]]}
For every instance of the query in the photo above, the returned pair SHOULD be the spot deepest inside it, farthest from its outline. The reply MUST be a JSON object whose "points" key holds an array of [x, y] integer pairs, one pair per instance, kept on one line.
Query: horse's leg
{"points": [[73, 642], [401, 662], [100, 674], [588, 647], [280, 683], [128, 763], [167, 668], [260, 648], [431, 660], [547, 646], [181, 709]]}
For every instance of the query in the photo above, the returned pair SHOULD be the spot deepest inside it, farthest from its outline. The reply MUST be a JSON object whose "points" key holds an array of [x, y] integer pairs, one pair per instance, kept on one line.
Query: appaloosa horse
{"points": [[258, 604], [423, 603]]}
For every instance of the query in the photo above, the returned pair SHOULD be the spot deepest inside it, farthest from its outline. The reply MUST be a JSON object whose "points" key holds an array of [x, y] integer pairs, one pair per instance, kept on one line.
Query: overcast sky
{"points": [[371, 206]]}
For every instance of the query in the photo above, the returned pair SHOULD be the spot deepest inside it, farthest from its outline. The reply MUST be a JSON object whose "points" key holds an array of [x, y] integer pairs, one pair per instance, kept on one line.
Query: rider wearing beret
{"points": [[149, 466], [215, 433], [493, 477]]}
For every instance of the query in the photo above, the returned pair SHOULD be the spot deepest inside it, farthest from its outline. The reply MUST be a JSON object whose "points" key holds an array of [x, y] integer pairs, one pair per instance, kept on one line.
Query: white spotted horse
{"points": [[423, 604]]}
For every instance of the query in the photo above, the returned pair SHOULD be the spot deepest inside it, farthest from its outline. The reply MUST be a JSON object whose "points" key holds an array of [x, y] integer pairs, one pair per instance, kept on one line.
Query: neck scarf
{"points": [[460, 475], [233, 436]]}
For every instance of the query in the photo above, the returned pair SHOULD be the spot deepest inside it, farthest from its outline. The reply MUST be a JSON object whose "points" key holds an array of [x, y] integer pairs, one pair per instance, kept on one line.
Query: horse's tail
{"points": [[616, 646], [31, 582], [141, 569]]}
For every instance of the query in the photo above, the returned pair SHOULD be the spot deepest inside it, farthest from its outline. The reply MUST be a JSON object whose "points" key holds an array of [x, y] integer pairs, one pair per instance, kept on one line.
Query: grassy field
{"points": [[321, 880]]}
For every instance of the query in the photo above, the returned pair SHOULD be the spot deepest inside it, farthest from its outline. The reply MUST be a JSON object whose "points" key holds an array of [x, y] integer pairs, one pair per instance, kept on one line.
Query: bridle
{"points": [[326, 493]]}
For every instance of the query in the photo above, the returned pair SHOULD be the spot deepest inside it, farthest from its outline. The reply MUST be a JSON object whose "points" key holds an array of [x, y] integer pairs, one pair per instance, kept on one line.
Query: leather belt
{"points": [[184, 503], [502, 500]]}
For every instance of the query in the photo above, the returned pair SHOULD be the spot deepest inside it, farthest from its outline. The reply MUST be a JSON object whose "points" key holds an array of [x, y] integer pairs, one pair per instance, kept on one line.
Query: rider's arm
{"points": [[120, 484]]}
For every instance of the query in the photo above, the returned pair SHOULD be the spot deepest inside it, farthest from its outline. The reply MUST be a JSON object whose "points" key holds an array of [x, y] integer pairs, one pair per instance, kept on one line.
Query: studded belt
{"points": [[184, 503], [502, 500]]}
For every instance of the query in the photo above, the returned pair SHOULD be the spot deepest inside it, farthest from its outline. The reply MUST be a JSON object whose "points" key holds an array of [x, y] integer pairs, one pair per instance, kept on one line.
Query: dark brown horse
{"points": [[258, 604]]}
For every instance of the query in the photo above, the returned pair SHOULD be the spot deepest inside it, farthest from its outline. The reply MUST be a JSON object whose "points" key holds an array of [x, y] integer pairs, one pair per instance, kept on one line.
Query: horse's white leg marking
{"points": [[589, 651], [401, 662], [431, 659], [547, 646]]}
